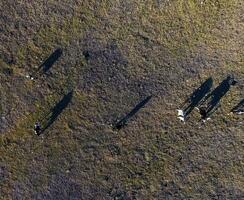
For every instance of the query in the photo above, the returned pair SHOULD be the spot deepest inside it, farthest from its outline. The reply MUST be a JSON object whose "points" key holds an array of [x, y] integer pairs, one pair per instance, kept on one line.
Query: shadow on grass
{"points": [[196, 97], [212, 100], [125, 119], [57, 110], [239, 108], [48, 63]]}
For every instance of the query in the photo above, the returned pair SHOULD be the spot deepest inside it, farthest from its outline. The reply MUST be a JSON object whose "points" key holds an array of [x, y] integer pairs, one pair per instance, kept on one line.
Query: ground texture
{"points": [[115, 53]]}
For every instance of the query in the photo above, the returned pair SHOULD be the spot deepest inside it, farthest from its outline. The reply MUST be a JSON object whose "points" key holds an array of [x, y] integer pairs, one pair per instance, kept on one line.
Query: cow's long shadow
{"points": [[215, 96], [196, 97], [125, 119], [239, 108], [57, 110], [48, 63]]}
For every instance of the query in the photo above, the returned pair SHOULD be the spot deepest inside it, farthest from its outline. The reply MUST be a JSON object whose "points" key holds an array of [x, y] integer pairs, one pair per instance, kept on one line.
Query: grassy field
{"points": [[115, 53]]}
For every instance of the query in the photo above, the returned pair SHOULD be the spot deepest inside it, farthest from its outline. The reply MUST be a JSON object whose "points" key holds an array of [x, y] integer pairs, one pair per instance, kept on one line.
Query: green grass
{"points": [[154, 147]]}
